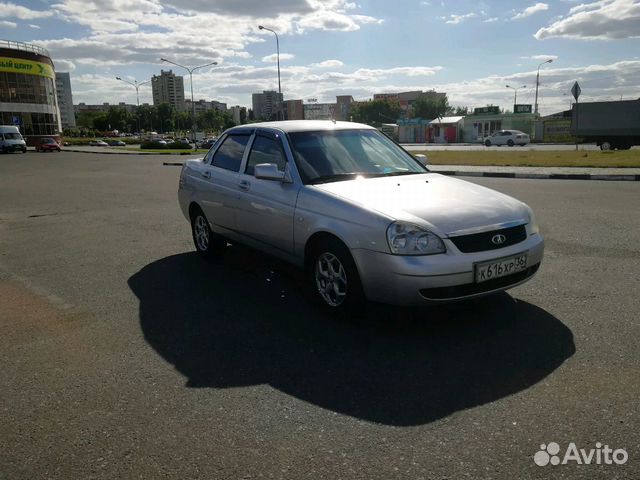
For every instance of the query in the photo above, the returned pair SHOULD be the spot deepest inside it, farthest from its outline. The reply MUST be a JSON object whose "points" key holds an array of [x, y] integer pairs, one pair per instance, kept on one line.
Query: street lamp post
{"points": [[538, 83], [278, 60], [135, 85], [193, 105], [515, 93]]}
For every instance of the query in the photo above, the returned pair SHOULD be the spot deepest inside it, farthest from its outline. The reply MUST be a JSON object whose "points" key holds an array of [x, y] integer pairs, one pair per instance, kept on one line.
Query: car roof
{"points": [[290, 126]]}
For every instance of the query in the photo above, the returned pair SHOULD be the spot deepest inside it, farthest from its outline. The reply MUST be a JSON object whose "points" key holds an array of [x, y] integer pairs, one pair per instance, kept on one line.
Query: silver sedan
{"points": [[365, 219]]}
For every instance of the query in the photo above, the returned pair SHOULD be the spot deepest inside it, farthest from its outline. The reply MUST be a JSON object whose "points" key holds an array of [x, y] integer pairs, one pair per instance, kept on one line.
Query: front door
{"points": [[267, 206]]}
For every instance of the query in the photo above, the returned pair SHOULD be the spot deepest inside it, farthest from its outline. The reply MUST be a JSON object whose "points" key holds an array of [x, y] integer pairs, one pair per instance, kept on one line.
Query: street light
{"points": [[278, 59], [515, 93], [193, 105], [538, 83], [135, 85]]}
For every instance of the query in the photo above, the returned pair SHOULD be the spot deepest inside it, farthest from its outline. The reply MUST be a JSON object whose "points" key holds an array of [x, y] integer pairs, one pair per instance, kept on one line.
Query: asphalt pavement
{"points": [[127, 356]]}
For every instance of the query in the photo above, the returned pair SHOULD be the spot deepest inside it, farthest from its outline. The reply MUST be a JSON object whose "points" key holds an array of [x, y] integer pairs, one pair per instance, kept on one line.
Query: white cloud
{"points": [[11, 10], [64, 66], [601, 20], [527, 12], [327, 64], [274, 57], [455, 19], [491, 20], [6, 24], [542, 57], [36, 27]]}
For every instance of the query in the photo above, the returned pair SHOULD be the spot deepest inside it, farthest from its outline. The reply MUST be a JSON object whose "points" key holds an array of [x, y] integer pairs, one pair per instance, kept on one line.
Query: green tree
{"points": [[430, 108], [118, 118], [165, 117], [375, 112]]}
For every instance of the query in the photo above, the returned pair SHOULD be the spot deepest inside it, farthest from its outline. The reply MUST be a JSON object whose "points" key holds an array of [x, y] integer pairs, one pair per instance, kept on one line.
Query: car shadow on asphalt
{"points": [[242, 321]]}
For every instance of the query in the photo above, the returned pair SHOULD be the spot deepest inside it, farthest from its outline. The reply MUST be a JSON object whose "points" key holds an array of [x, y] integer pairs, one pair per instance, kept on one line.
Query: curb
{"points": [[129, 152], [543, 176]]}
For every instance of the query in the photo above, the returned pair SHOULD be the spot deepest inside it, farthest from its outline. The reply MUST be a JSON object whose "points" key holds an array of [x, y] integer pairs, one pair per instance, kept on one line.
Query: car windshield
{"points": [[328, 156], [12, 136]]}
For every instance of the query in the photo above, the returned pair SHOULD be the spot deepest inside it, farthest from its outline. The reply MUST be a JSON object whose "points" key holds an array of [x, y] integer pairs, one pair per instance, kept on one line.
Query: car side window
{"points": [[265, 150], [229, 154]]}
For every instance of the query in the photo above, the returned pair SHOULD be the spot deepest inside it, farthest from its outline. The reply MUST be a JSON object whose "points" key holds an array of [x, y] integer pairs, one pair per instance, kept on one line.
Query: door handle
{"points": [[244, 185], [206, 174]]}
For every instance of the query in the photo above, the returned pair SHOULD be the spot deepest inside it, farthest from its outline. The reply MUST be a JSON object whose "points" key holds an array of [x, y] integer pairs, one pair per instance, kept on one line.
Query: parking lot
{"points": [[127, 356]]}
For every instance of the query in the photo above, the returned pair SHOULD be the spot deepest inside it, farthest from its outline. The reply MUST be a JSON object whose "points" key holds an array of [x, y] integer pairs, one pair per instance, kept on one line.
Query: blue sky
{"points": [[470, 50]]}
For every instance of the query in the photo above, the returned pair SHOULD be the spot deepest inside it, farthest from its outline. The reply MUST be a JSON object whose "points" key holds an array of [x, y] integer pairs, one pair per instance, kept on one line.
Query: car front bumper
{"points": [[419, 280]]}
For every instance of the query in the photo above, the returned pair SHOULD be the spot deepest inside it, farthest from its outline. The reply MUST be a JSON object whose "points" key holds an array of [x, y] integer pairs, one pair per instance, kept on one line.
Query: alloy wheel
{"points": [[331, 279], [201, 231]]}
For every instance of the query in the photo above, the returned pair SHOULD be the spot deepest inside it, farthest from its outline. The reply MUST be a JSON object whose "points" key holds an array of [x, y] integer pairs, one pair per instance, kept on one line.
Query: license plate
{"points": [[500, 268]]}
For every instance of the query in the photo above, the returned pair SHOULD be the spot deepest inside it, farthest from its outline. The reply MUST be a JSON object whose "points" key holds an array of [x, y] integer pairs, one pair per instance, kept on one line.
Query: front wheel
{"points": [[606, 146], [206, 242], [487, 143], [510, 143], [333, 277]]}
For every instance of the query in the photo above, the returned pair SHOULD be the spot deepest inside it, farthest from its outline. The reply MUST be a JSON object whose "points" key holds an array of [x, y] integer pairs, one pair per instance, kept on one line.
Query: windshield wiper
{"points": [[395, 174], [337, 177]]}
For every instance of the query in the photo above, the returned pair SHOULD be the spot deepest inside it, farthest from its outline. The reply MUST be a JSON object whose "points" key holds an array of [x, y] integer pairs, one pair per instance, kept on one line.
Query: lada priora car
{"points": [[365, 219]]}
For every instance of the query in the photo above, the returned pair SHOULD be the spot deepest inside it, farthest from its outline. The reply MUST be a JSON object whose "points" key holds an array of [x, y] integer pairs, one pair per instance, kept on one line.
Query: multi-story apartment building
{"points": [[65, 100], [204, 105], [168, 88], [266, 105]]}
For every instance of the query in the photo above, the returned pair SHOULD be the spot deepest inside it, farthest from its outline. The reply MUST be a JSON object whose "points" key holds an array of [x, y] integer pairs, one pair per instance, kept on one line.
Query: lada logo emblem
{"points": [[498, 239]]}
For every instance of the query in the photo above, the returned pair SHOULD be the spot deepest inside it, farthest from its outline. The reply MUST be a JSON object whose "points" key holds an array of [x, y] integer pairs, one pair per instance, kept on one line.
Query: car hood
{"points": [[444, 204]]}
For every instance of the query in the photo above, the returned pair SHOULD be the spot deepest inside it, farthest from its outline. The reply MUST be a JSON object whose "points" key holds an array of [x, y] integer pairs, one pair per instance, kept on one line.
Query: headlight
{"points": [[533, 224], [408, 239]]}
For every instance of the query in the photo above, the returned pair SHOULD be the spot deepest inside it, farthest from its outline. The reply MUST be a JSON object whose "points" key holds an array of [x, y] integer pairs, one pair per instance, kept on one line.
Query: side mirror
{"points": [[268, 171], [421, 158]]}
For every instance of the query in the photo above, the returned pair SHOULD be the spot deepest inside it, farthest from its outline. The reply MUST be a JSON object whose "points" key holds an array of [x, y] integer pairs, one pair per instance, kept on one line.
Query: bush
{"points": [[152, 145]]}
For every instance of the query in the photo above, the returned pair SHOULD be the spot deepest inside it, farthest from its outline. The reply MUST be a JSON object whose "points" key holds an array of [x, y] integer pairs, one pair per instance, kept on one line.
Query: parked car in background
{"points": [[361, 216], [11, 140], [116, 143], [207, 143], [508, 137], [98, 143], [47, 145]]}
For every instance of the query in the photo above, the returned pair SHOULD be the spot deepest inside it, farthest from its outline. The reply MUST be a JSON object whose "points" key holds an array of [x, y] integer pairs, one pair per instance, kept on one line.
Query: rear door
{"points": [[267, 207], [219, 180]]}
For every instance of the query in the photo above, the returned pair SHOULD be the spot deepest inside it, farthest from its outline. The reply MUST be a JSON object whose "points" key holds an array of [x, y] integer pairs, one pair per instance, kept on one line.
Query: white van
{"points": [[11, 140]]}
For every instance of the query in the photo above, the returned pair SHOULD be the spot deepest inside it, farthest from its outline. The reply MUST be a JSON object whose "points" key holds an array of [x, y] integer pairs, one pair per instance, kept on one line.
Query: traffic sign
{"points": [[575, 91]]}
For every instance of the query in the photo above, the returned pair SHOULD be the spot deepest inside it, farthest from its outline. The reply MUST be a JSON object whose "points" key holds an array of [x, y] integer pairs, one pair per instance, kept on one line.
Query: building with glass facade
{"points": [[28, 90]]}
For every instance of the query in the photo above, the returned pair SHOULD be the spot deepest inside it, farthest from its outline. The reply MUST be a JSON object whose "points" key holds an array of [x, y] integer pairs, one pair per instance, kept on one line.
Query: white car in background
{"points": [[507, 137]]}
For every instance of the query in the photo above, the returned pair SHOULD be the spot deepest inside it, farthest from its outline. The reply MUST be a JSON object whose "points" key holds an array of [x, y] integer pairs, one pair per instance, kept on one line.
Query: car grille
{"points": [[468, 289], [480, 242]]}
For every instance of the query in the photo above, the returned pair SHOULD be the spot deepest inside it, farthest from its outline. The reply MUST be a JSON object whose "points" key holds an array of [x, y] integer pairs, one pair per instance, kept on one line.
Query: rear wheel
{"points": [[605, 146], [333, 277], [207, 244]]}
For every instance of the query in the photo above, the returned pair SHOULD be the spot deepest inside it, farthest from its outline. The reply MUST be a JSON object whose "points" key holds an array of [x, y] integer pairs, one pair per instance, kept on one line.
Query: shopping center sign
{"points": [[28, 67]]}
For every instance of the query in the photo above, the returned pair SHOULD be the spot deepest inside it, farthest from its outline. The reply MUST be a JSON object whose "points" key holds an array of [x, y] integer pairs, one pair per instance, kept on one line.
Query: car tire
{"points": [[57, 149], [333, 278], [487, 143], [510, 143], [606, 146], [207, 243]]}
